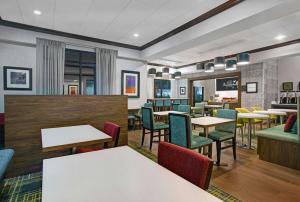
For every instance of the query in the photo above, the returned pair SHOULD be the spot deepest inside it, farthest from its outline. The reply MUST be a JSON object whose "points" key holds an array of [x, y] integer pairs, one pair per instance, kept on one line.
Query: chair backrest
{"points": [[176, 101], [226, 105], [175, 106], [180, 130], [188, 164], [167, 103], [227, 114], [256, 108], [184, 108], [159, 103], [201, 106], [147, 117], [184, 102], [112, 130], [148, 104], [242, 110]]}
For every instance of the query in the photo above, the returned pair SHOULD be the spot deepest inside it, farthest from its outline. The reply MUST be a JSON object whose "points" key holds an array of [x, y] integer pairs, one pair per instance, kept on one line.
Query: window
{"points": [[80, 73], [162, 88]]}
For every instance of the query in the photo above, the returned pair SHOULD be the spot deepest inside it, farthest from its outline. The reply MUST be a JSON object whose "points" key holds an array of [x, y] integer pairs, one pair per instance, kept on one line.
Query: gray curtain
{"points": [[50, 64], [106, 71]]}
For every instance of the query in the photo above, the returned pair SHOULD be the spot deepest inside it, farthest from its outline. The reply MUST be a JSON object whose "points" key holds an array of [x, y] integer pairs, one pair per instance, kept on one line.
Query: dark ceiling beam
{"points": [[279, 45], [215, 11]]}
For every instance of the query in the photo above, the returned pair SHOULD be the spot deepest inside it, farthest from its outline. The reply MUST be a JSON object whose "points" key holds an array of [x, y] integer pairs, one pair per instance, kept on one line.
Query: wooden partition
{"points": [[27, 115]]}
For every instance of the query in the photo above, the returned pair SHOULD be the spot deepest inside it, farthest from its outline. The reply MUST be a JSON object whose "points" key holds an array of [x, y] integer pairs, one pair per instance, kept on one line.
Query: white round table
{"points": [[250, 117], [285, 110]]}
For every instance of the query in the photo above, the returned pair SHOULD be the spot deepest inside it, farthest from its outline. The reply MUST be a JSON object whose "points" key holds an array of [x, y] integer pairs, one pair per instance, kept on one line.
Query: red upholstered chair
{"points": [[110, 129], [186, 163]]}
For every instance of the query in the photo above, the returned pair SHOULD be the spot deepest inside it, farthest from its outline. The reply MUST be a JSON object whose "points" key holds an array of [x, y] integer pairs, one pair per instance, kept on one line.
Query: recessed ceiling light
{"points": [[136, 35], [37, 12], [280, 37]]}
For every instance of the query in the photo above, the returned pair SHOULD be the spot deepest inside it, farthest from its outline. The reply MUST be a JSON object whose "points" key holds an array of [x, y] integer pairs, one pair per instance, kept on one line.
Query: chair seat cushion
{"points": [[220, 135], [84, 150], [239, 125], [5, 157], [160, 125], [199, 141], [277, 133]]}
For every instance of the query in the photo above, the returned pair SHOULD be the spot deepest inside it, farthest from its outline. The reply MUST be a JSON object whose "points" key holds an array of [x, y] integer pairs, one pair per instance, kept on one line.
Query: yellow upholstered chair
{"points": [[245, 121]]}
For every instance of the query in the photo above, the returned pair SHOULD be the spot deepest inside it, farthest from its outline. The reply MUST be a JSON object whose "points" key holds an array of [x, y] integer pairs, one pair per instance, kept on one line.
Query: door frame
{"points": [[215, 76]]}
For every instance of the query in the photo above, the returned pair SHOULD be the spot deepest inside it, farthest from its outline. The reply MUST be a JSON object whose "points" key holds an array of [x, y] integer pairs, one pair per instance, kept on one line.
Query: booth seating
{"points": [[279, 147]]}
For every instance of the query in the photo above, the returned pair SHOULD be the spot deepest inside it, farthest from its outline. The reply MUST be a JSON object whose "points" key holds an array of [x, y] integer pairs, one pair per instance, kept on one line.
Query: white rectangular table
{"points": [[209, 121], [166, 113], [54, 139], [115, 175]]}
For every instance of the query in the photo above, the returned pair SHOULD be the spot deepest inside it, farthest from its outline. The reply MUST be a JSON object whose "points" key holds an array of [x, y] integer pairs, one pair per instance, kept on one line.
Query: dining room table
{"points": [[115, 175], [70, 137], [250, 117], [281, 114]]}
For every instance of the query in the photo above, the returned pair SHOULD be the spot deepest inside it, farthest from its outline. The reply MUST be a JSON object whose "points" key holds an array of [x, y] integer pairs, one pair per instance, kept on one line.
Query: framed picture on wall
{"points": [[130, 84], [182, 90], [17, 78], [251, 87], [72, 89], [287, 86]]}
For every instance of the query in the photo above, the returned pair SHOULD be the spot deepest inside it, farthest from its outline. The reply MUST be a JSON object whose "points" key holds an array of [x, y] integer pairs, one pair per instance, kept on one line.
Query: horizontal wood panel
{"points": [[27, 115]]}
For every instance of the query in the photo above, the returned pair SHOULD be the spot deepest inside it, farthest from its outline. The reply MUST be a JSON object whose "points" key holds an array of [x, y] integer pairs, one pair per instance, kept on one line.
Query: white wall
{"points": [[24, 56], [289, 70]]}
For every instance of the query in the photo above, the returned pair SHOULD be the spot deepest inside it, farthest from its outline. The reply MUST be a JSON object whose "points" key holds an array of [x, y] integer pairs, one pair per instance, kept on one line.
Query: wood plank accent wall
{"points": [[25, 116]]}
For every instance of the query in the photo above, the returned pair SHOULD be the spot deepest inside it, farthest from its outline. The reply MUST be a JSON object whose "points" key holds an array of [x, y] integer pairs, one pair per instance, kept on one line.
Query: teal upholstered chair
{"points": [[175, 104], [226, 105], [184, 108], [181, 134], [167, 104], [158, 104], [184, 102], [225, 132], [152, 126], [148, 104], [199, 112], [5, 158]]}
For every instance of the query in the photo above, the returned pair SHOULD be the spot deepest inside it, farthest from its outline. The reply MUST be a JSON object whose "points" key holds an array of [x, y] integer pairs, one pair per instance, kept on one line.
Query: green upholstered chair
{"points": [[181, 134], [199, 112], [184, 108], [158, 105], [148, 104], [175, 104], [184, 102], [167, 104], [226, 105], [225, 132], [152, 126]]}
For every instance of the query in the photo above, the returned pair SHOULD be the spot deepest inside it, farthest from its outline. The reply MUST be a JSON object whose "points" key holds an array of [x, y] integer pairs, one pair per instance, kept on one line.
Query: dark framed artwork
{"points": [[227, 84], [251, 87], [72, 89], [17, 78], [287, 86], [130, 84], [182, 90]]}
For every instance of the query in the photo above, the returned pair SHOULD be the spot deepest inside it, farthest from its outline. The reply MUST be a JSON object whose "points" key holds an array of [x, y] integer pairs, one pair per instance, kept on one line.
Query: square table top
{"points": [[166, 113], [115, 175], [209, 121], [252, 116], [72, 136]]}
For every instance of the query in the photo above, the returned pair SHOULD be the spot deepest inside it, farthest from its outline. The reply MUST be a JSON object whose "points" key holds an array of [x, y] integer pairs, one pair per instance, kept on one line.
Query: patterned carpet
{"points": [[28, 188]]}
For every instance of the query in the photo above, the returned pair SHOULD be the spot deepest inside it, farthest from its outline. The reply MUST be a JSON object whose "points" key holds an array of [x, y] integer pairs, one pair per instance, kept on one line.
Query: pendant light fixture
{"points": [[152, 72], [200, 66], [209, 67], [172, 77], [165, 70], [243, 59], [177, 75], [230, 65], [219, 62], [158, 74]]}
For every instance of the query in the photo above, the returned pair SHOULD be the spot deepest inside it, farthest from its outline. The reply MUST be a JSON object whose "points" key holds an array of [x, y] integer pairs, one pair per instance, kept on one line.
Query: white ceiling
{"points": [[115, 20], [248, 39]]}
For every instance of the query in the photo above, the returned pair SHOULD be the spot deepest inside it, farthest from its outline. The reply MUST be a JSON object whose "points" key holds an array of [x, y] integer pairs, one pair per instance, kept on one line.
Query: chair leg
{"points": [[234, 148], [218, 144], [210, 151], [242, 133], [159, 135], [199, 150], [151, 139], [143, 137]]}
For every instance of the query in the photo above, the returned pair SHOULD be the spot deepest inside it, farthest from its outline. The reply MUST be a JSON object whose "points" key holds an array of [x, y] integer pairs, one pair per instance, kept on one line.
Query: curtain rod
{"points": [[32, 45]]}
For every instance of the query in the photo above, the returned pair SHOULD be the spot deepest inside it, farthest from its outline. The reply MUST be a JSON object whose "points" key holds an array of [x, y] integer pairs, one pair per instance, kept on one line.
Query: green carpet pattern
{"points": [[28, 188]]}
